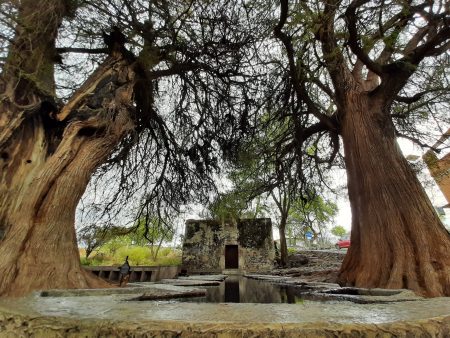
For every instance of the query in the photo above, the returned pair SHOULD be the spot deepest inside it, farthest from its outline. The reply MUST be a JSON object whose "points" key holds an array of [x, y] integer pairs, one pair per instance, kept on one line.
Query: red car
{"points": [[343, 243]]}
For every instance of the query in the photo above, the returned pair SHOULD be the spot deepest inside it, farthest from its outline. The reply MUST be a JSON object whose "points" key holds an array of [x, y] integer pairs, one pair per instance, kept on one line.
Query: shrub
{"points": [[291, 251], [169, 260]]}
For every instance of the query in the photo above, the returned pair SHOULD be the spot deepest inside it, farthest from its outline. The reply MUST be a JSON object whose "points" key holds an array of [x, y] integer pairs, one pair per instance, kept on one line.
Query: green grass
{"points": [[137, 255], [292, 251]]}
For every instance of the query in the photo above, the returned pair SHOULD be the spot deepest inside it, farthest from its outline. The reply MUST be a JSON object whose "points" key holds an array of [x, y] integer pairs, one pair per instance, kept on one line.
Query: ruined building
{"points": [[214, 246]]}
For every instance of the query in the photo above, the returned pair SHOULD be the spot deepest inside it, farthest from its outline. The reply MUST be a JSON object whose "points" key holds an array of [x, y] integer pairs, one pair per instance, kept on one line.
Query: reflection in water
{"points": [[232, 291], [237, 289]]}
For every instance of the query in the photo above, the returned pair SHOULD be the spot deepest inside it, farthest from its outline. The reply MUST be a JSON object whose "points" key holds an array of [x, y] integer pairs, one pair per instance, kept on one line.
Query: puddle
{"points": [[364, 292], [237, 289]]}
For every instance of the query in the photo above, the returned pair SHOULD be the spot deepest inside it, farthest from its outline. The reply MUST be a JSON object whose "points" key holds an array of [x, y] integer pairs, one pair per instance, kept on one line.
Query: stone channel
{"points": [[341, 312]]}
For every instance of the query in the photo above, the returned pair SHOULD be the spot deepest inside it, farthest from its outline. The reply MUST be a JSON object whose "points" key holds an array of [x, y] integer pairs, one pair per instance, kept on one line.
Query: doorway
{"points": [[231, 257]]}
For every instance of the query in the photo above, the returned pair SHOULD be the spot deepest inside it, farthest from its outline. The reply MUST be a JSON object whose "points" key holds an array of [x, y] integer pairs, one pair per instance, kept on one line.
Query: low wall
{"points": [[138, 273]]}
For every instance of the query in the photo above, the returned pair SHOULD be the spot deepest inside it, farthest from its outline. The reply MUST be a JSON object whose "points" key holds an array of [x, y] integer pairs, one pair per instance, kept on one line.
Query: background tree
{"points": [[152, 232], [338, 231], [116, 121], [369, 73], [312, 214], [93, 237], [263, 170], [231, 205]]}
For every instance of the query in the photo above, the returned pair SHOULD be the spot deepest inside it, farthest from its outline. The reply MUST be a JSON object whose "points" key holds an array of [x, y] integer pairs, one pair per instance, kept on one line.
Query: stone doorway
{"points": [[231, 257]]}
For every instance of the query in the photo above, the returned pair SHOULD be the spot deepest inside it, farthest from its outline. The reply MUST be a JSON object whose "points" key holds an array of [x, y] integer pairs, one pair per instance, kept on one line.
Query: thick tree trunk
{"points": [[397, 240], [46, 166]]}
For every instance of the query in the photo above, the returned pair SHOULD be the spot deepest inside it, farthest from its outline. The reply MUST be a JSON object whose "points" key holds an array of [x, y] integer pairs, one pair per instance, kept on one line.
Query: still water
{"points": [[236, 289]]}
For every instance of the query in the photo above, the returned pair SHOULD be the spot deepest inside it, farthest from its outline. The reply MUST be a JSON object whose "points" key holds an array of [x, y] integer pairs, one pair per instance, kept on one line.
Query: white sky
{"points": [[434, 193]]}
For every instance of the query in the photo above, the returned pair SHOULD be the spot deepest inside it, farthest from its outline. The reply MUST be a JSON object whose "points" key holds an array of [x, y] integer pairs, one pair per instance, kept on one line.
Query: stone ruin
{"points": [[211, 246]]}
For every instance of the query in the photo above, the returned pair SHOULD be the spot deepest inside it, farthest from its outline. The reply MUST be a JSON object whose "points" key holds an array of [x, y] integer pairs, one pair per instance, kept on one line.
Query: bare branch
{"points": [[297, 83], [353, 41], [175, 69], [334, 59], [416, 97], [82, 50], [417, 141]]}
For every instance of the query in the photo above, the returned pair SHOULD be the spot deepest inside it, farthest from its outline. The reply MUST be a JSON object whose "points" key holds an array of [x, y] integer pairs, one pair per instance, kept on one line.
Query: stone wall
{"points": [[205, 241]]}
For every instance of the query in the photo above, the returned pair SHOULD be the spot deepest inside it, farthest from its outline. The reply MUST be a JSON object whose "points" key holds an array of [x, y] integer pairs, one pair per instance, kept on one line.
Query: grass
{"points": [[137, 255]]}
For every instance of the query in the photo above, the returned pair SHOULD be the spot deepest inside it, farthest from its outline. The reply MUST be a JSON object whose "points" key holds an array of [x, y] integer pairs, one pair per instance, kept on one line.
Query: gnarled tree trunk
{"points": [[47, 162], [397, 240], [48, 153]]}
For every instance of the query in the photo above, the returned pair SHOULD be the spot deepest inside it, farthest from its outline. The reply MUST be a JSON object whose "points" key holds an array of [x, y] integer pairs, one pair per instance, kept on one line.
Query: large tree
{"points": [[371, 72], [50, 146]]}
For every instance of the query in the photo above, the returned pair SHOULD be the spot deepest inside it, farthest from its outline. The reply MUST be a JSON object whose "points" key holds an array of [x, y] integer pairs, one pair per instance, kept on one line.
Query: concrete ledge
{"points": [[18, 325], [159, 291]]}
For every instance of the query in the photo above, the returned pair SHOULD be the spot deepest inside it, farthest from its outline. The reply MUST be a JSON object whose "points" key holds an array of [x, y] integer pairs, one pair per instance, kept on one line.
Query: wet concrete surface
{"points": [[119, 306], [326, 292], [118, 313], [337, 312]]}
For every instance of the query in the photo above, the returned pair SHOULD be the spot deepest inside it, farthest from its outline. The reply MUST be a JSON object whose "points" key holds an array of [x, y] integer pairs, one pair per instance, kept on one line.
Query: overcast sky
{"points": [[434, 193]]}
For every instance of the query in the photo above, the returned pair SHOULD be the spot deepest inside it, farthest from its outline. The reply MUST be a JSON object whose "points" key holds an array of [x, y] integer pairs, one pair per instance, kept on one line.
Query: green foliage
{"points": [[151, 231], [93, 237], [291, 251], [141, 244], [311, 214], [236, 204], [137, 255], [313, 210], [338, 231], [96, 260], [116, 243]]}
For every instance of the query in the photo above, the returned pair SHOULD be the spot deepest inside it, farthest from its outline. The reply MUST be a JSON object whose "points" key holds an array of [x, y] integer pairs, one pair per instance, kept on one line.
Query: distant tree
{"points": [[259, 174], [93, 237], [338, 231], [113, 245], [230, 205], [151, 232], [311, 215]]}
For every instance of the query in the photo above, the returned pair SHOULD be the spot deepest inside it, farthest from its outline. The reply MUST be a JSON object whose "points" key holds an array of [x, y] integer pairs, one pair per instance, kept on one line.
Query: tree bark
{"points": [[47, 162], [397, 239]]}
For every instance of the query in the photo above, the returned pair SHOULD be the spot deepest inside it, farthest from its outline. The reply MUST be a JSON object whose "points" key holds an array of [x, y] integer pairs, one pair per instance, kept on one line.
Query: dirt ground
{"points": [[322, 266]]}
